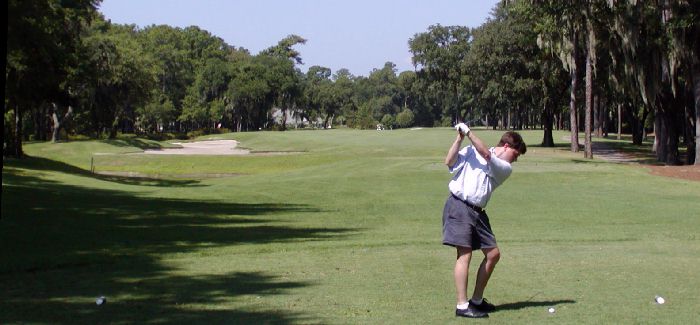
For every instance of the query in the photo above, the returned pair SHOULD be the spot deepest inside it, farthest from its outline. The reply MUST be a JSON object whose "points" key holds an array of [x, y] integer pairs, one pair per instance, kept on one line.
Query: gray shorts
{"points": [[463, 226]]}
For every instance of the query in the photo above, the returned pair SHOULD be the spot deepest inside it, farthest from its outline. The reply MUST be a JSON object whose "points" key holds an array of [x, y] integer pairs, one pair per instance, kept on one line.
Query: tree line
{"points": [[600, 66]]}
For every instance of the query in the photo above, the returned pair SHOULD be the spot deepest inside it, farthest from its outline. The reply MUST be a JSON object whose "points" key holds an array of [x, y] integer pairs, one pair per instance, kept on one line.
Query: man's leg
{"points": [[491, 257], [464, 256]]}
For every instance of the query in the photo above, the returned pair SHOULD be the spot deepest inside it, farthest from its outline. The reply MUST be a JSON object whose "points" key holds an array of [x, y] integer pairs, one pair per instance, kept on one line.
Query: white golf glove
{"points": [[463, 128]]}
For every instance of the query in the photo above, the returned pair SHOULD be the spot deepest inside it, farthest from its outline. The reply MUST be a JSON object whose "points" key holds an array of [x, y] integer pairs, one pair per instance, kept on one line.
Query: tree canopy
{"points": [[626, 66]]}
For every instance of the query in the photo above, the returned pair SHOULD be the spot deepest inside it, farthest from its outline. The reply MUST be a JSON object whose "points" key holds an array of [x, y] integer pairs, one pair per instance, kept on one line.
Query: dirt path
{"points": [[608, 153], [647, 161]]}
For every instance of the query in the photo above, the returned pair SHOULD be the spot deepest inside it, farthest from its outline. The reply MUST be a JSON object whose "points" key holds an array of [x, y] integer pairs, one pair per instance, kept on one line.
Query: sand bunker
{"points": [[214, 147]]}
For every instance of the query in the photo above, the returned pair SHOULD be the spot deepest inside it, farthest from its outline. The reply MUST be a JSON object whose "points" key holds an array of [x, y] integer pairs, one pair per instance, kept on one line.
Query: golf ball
{"points": [[551, 310], [101, 301], [659, 300]]}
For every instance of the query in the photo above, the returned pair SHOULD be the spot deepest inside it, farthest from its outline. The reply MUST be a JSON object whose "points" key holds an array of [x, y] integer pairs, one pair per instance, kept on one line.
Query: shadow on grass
{"points": [[65, 245], [135, 142], [558, 145], [39, 163], [531, 304], [588, 162], [632, 153], [168, 300]]}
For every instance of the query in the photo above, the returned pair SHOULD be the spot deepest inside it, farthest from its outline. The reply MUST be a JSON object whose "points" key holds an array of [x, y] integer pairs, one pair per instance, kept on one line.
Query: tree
{"points": [[438, 54], [283, 77], [504, 69], [173, 68], [344, 89], [250, 94], [121, 76], [156, 113], [560, 26], [405, 118], [683, 30], [42, 38], [209, 90], [541, 64], [590, 14], [319, 93], [284, 49], [649, 65]]}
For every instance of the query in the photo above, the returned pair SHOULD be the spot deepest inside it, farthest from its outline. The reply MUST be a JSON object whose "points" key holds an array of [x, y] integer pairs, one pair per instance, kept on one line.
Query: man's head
{"points": [[513, 146]]}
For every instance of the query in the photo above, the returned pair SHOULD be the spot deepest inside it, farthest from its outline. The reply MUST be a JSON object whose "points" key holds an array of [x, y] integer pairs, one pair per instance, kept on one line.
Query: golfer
{"points": [[477, 171]]}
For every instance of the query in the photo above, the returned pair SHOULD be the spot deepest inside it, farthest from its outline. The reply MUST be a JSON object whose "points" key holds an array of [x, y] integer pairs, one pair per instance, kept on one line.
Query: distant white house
{"points": [[291, 119], [295, 121]]}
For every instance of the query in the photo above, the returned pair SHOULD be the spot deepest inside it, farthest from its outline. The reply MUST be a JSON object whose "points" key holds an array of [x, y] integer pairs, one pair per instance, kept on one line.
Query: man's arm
{"points": [[451, 157], [463, 130], [479, 145]]}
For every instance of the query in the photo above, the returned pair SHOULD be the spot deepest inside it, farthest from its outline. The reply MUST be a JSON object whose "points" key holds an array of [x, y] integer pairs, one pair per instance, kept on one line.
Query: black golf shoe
{"points": [[484, 306], [471, 312]]}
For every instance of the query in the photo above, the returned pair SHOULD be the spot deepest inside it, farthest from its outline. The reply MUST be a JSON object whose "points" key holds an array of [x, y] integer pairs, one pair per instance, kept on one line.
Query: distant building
{"points": [[295, 120]]}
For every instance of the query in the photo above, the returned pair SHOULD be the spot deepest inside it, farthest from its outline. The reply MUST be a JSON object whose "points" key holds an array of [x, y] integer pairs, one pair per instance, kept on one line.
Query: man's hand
{"points": [[462, 128]]}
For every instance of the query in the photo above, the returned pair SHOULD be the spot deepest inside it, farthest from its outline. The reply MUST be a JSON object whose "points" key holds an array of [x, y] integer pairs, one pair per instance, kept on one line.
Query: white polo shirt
{"points": [[475, 178]]}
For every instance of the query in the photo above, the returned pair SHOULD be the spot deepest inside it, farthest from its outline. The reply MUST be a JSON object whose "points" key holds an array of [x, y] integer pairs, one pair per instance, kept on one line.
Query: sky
{"points": [[359, 35]]}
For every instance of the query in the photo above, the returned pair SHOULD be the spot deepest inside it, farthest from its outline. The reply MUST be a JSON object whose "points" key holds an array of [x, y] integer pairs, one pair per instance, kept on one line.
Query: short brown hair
{"points": [[514, 140]]}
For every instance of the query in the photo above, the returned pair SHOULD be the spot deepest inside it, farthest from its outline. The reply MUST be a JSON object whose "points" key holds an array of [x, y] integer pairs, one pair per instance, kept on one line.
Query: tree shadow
{"points": [[135, 142], [43, 164], [589, 162], [557, 145], [170, 300], [531, 304], [633, 153], [64, 245]]}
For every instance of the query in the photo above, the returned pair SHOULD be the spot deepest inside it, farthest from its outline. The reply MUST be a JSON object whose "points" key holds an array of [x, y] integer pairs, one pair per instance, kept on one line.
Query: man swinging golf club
{"points": [[477, 171]]}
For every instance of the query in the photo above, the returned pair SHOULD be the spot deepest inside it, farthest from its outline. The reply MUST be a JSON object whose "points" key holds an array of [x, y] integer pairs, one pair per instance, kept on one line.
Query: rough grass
{"points": [[347, 231]]}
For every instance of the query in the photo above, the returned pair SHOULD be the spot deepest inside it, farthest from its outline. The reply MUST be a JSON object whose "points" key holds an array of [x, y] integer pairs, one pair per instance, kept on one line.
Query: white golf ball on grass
{"points": [[101, 301], [660, 300]]}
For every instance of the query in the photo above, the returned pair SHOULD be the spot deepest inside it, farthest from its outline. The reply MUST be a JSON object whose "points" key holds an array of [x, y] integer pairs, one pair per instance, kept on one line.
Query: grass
{"points": [[346, 231]]}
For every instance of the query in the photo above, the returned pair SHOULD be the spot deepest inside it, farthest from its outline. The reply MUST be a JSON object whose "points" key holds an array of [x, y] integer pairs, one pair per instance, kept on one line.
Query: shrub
{"points": [[77, 137], [388, 120], [195, 133], [405, 118], [124, 136]]}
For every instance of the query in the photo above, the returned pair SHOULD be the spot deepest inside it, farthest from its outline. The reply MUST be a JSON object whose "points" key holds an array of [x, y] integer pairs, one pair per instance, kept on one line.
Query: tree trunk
{"points": [[635, 123], [58, 123], [605, 116], [600, 117], [284, 120], [672, 155], [619, 121], [17, 150], [508, 121], [597, 121], [115, 125], [660, 135], [696, 95], [547, 123], [40, 123], [666, 128], [572, 102], [560, 121], [588, 153], [113, 129], [328, 123]]}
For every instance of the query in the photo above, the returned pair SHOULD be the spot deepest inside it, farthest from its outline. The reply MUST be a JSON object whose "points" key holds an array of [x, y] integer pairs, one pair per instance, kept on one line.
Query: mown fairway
{"points": [[346, 232]]}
